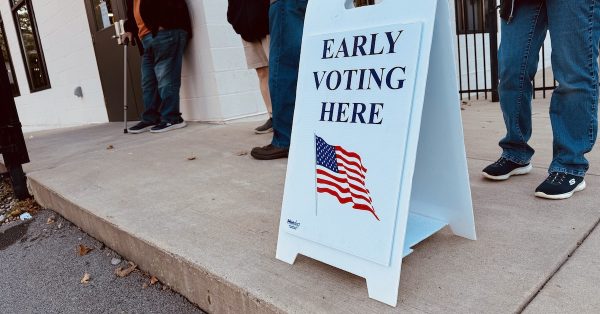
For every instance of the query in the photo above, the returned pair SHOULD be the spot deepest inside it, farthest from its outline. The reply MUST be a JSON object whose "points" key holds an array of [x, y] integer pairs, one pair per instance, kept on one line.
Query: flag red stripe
{"points": [[345, 200], [359, 180], [363, 207], [351, 154], [342, 200], [342, 181], [352, 163], [360, 175], [343, 190]]}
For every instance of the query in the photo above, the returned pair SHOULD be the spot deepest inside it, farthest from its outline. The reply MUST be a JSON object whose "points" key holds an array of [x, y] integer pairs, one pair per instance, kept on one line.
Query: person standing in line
{"points": [[161, 30], [250, 19], [574, 27], [286, 25]]}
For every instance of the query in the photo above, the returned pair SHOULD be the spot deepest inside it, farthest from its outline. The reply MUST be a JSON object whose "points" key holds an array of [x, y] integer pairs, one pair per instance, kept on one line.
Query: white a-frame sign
{"points": [[377, 162]]}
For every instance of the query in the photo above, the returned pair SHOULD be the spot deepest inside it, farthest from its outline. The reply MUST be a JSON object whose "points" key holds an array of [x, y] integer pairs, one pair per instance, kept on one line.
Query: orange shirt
{"points": [[142, 29]]}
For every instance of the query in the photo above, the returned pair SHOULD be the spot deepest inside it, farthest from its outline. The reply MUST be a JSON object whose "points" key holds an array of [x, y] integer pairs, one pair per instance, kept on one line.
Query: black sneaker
{"points": [[560, 186], [265, 128], [504, 168], [141, 127], [269, 152], [168, 126]]}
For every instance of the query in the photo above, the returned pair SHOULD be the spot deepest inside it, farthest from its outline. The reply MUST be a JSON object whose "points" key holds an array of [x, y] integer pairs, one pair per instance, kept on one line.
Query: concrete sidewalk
{"points": [[208, 226]]}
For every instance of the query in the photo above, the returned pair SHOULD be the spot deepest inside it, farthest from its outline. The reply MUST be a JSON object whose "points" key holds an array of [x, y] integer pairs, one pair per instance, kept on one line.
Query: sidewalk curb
{"points": [[209, 292]]}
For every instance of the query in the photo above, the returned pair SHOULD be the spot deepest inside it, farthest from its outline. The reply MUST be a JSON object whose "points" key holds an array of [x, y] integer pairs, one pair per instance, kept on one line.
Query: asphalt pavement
{"points": [[42, 271]]}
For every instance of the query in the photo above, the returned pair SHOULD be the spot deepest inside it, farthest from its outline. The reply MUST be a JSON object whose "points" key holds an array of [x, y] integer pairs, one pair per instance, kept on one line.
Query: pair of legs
{"points": [[161, 78], [574, 28], [286, 25], [257, 57]]}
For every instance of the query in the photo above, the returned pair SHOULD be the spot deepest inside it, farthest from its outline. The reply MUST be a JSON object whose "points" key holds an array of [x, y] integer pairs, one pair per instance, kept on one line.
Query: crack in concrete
{"points": [[526, 304]]}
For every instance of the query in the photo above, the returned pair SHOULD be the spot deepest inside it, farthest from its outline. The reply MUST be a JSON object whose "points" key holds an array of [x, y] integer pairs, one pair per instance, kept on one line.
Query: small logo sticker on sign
{"points": [[293, 224]]}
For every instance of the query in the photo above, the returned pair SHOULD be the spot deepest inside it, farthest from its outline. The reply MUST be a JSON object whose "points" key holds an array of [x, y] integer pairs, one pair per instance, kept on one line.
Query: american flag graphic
{"points": [[341, 174]]}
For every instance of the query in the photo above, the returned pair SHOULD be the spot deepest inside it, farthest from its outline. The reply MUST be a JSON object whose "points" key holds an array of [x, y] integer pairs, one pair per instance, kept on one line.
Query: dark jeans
{"points": [[161, 75], [286, 25], [574, 27]]}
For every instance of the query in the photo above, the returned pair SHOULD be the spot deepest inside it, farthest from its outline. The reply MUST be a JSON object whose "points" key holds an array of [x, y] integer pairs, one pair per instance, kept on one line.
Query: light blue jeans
{"points": [[161, 75], [574, 27], [286, 25]]}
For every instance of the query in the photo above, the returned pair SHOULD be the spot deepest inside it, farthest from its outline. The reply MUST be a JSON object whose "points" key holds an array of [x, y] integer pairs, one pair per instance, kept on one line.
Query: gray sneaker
{"points": [[267, 127]]}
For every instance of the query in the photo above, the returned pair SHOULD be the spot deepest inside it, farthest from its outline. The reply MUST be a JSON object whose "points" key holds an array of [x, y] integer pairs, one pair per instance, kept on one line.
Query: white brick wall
{"points": [[70, 61], [217, 86]]}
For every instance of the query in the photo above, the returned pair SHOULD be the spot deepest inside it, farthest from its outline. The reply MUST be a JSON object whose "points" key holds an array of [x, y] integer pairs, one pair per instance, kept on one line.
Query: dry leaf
{"points": [[153, 280], [84, 250], [86, 278], [51, 220], [109, 147], [120, 272], [191, 158]]}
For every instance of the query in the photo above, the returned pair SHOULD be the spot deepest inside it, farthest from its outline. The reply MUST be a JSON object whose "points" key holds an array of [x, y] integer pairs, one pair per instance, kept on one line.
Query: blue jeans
{"points": [[161, 75], [286, 23], [574, 27]]}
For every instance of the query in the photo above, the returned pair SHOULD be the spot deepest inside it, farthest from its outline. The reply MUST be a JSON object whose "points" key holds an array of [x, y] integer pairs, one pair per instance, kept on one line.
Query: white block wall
{"points": [[70, 60], [216, 84]]}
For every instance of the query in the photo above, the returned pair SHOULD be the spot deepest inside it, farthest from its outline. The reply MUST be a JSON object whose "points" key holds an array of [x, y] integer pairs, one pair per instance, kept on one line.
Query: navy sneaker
{"points": [[141, 127], [503, 169], [168, 126], [559, 186]]}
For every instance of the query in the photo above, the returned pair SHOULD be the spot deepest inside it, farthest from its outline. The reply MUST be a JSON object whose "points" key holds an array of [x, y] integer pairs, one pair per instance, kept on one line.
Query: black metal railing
{"points": [[477, 45]]}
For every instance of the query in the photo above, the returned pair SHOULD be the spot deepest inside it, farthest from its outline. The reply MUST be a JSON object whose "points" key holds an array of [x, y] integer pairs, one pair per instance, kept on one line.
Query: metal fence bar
{"points": [[475, 31], [466, 24], [469, 24]]}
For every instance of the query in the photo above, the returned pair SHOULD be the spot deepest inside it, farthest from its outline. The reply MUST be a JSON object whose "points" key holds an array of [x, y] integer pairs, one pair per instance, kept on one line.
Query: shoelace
{"points": [[500, 162], [556, 177]]}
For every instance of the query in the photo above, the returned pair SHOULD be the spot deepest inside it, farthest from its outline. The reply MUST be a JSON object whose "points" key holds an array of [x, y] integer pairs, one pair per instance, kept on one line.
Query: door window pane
{"points": [[8, 61], [103, 14], [30, 45]]}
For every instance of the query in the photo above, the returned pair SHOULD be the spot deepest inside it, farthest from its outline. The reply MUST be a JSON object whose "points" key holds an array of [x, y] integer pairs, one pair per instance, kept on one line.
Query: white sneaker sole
{"points": [[515, 172], [146, 129], [580, 187], [171, 128]]}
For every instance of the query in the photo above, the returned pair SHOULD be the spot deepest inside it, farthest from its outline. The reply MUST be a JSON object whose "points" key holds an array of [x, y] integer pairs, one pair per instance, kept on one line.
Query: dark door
{"points": [[109, 56]]}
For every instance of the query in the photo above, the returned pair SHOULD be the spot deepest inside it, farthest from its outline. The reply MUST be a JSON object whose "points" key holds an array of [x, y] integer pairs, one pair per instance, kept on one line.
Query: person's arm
{"points": [[130, 24]]}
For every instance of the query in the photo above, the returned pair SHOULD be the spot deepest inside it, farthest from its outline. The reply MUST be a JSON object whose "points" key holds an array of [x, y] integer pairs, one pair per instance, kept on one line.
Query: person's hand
{"points": [[127, 38]]}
